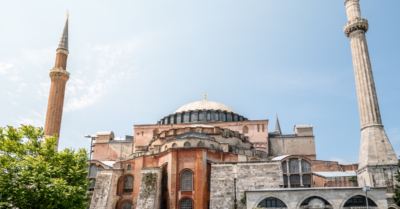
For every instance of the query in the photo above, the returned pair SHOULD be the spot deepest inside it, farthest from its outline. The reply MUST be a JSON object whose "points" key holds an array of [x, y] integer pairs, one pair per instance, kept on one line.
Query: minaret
{"points": [[377, 159], [59, 77], [277, 126]]}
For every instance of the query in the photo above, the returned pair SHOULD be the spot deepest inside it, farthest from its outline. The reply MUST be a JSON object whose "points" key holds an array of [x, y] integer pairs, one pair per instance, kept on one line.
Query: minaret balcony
{"points": [[358, 24]]}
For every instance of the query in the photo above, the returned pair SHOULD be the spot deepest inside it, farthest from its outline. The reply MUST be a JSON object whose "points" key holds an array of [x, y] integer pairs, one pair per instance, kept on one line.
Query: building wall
{"points": [[335, 196], [319, 181], [248, 176], [300, 145]]}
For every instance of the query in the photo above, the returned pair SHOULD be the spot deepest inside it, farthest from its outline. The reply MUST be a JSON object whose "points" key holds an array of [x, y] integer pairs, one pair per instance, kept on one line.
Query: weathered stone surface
{"points": [[149, 191], [104, 196]]}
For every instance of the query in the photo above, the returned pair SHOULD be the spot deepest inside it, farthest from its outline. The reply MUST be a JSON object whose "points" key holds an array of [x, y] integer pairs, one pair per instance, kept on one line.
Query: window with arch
{"points": [[200, 115], [164, 182], [211, 146], [127, 205], [175, 119], [182, 117], [359, 202], [92, 184], [245, 129], [208, 116], [174, 145], [271, 202], [200, 144], [186, 181], [186, 204], [191, 118], [216, 116], [165, 148], [93, 170], [186, 145], [129, 167], [224, 117], [128, 184], [315, 202], [171, 119]]}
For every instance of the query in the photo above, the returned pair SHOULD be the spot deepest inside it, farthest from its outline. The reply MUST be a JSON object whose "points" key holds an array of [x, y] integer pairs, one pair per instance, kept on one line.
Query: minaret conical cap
{"points": [[277, 126], [64, 38]]}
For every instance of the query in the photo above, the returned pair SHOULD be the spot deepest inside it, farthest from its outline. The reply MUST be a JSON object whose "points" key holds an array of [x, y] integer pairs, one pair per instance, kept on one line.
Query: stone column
{"points": [[301, 175], [375, 149]]}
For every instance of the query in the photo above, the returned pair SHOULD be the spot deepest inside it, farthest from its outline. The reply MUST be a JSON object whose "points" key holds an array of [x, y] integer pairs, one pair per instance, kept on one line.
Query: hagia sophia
{"points": [[207, 156]]}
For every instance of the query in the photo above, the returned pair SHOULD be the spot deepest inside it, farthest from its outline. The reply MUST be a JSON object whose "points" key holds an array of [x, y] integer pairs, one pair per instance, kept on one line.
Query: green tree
{"points": [[397, 188], [34, 175]]}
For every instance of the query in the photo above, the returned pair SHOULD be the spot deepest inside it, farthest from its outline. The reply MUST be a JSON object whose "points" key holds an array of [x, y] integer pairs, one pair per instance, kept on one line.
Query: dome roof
{"points": [[204, 105]]}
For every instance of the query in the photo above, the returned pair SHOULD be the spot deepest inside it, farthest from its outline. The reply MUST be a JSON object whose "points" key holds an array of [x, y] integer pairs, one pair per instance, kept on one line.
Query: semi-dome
{"points": [[204, 105]]}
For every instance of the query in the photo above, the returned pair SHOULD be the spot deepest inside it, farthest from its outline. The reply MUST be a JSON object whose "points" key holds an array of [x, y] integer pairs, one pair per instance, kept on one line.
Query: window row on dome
{"points": [[202, 116]]}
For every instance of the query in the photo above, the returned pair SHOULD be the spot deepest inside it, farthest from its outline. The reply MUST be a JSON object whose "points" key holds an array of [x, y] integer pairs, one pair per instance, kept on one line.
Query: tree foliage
{"points": [[397, 188], [34, 175]]}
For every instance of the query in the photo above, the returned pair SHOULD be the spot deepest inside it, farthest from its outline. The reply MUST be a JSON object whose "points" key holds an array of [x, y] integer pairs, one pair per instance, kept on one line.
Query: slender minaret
{"points": [[59, 77], [277, 126], [377, 159]]}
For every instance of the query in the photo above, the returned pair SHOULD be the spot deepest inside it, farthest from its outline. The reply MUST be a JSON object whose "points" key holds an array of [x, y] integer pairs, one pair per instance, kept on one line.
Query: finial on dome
{"points": [[205, 96], [67, 14]]}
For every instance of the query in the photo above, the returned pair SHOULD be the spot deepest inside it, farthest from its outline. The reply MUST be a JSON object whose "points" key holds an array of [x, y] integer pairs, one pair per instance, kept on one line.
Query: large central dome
{"points": [[204, 105]]}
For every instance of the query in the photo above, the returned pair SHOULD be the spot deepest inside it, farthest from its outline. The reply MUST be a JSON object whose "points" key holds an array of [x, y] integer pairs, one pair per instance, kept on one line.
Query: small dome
{"points": [[204, 105]]}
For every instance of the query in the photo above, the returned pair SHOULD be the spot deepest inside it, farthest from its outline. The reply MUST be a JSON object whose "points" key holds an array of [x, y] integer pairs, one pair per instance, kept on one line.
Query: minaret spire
{"points": [[376, 152], [64, 37], [205, 96], [59, 77], [277, 126]]}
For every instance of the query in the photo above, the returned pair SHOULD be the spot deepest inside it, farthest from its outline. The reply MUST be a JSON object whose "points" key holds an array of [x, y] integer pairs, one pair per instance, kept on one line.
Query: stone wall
{"points": [[104, 196], [249, 176], [150, 189]]}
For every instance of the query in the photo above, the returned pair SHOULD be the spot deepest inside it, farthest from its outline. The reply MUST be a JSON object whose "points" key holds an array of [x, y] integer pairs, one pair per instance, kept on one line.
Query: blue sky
{"points": [[134, 62]]}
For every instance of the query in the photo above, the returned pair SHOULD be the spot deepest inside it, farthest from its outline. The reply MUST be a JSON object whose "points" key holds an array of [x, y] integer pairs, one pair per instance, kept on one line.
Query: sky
{"points": [[134, 62]]}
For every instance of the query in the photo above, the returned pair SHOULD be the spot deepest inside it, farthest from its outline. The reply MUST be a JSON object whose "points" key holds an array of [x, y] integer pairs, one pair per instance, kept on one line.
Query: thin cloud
{"points": [[340, 160], [14, 78], [4, 67]]}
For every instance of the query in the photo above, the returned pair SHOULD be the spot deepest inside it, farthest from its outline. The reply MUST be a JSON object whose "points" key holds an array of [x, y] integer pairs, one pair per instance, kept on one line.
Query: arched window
{"points": [[171, 119], [359, 201], [294, 166], [191, 118], [93, 170], [128, 184], [92, 184], [165, 148], [245, 129], [208, 116], [209, 181], [182, 117], [315, 202], [186, 181], [186, 145], [127, 205], [164, 182], [164, 204], [305, 167], [200, 144], [211, 146], [216, 116], [272, 202], [174, 145], [224, 117], [175, 119], [200, 116], [129, 167], [186, 204]]}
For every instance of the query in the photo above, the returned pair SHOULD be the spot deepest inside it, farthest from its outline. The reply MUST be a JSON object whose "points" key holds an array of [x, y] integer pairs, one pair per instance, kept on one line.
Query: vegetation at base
{"points": [[149, 187], [243, 200], [353, 179], [34, 175], [397, 188]]}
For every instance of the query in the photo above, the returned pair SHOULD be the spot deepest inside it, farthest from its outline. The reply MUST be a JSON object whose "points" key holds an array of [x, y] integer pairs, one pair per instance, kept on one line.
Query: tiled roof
{"points": [[204, 105]]}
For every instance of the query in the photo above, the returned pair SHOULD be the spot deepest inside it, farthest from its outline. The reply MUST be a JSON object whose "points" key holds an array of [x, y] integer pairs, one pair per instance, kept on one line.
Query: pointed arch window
{"points": [[187, 181], [128, 184]]}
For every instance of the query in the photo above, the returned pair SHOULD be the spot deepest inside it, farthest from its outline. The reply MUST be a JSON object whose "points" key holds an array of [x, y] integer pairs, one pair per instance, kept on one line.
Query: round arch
{"points": [[127, 204], [187, 179], [265, 197], [314, 195], [186, 198], [371, 197], [120, 184]]}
